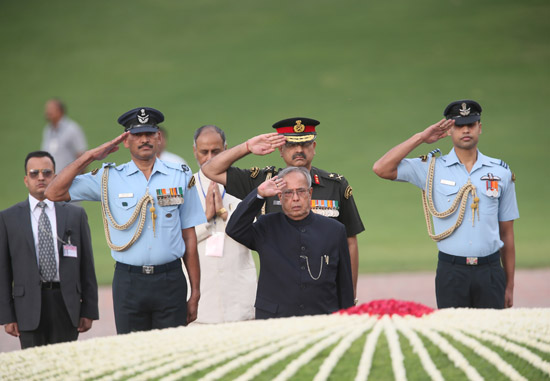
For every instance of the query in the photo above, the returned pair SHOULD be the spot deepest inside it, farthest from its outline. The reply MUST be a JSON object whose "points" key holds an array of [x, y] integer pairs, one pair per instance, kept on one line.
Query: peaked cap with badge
{"points": [[463, 112], [141, 119], [297, 130]]}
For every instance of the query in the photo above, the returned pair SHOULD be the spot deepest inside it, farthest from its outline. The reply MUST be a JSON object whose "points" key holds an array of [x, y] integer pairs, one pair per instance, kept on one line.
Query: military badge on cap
{"points": [[491, 188], [464, 111], [297, 130]]}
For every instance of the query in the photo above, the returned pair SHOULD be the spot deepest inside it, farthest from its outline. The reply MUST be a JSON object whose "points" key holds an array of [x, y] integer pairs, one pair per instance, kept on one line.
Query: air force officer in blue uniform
{"points": [[304, 257], [150, 209]]}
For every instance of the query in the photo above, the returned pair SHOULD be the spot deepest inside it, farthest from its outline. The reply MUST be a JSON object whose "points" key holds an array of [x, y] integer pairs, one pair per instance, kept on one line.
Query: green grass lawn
{"points": [[373, 73]]}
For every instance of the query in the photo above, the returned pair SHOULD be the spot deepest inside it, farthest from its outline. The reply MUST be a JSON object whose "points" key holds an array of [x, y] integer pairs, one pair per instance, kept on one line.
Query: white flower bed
{"points": [[216, 350]]}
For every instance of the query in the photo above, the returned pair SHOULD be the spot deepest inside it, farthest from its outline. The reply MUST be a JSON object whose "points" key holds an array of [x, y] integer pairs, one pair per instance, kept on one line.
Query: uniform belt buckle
{"points": [[148, 270], [472, 261]]}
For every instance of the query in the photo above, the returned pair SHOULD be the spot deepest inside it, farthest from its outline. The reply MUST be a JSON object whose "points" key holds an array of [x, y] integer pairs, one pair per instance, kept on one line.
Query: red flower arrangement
{"points": [[388, 307]]}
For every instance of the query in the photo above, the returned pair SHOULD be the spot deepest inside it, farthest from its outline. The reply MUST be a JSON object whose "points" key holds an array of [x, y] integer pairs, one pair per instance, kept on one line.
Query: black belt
{"points": [[50, 285], [470, 261], [149, 270]]}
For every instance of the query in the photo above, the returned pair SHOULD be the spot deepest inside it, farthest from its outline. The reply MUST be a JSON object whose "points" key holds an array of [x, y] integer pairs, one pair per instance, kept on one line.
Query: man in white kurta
{"points": [[228, 274]]}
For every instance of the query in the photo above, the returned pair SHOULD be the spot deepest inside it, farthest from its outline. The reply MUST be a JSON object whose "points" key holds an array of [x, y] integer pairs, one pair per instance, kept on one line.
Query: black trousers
{"points": [[481, 286], [55, 324], [149, 301]]}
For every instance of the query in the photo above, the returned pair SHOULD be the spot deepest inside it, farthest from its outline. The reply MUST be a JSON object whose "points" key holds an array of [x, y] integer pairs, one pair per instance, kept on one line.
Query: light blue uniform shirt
{"points": [[483, 238], [127, 185]]}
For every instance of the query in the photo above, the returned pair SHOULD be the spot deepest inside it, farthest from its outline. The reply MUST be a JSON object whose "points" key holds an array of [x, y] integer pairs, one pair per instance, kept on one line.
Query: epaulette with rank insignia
{"points": [[503, 164], [254, 172], [270, 168], [335, 176], [431, 153]]}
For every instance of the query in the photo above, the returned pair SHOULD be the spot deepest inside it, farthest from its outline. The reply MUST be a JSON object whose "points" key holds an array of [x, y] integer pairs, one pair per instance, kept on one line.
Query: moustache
{"points": [[299, 154], [146, 145]]}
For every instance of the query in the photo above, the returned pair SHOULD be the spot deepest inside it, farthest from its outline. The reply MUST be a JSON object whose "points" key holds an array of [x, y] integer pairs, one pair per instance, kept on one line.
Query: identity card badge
{"points": [[69, 251], [214, 245]]}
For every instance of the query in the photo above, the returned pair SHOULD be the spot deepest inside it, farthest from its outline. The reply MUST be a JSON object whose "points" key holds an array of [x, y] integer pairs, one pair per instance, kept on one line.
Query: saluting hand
{"points": [[271, 187], [104, 150], [266, 143], [437, 131]]}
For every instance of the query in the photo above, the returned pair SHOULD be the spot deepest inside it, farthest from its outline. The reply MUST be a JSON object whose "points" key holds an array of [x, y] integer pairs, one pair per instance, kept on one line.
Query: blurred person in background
{"points": [[63, 138], [164, 155]]}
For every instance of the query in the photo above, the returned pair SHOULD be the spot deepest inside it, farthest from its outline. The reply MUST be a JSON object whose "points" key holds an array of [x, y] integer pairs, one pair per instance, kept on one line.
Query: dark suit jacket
{"points": [[285, 285], [20, 289]]}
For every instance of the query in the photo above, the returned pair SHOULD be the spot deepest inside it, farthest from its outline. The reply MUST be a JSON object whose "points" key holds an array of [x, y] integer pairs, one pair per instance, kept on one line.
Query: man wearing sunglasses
{"points": [[304, 257], [48, 287], [295, 138]]}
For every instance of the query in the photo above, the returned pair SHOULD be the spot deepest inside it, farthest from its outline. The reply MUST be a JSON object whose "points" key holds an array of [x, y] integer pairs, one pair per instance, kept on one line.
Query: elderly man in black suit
{"points": [[48, 287], [304, 257]]}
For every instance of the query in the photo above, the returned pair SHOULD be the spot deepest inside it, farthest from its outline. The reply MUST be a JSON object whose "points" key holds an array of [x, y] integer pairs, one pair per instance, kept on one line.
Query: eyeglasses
{"points": [[289, 193], [47, 173]]}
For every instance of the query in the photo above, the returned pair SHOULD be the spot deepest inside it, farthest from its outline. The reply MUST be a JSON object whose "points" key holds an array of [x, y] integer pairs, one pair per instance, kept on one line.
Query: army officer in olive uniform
{"points": [[304, 258], [150, 209], [295, 138]]}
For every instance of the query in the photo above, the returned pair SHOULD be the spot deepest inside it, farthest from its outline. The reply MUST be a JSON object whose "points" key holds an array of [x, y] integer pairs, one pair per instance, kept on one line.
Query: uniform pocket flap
{"points": [[447, 190], [267, 306]]}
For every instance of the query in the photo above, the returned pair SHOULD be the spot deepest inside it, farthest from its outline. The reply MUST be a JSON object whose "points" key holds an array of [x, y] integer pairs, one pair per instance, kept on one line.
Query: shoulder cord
{"points": [[269, 175], [141, 209], [462, 197]]}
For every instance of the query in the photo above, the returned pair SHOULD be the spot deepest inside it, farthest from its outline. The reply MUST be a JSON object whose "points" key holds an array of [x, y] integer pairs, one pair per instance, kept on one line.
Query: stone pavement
{"points": [[532, 289]]}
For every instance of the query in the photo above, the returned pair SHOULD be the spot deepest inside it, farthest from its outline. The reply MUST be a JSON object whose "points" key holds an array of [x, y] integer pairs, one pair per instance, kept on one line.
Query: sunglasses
{"points": [[46, 173]]}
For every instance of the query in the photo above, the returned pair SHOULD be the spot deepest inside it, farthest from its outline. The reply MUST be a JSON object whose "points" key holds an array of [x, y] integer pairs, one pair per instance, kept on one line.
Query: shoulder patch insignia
{"points": [[191, 183], [254, 172], [185, 168], [335, 176], [348, 192]]}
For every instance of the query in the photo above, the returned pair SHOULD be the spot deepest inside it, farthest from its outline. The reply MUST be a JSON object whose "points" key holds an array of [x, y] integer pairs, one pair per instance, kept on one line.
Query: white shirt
{"points": [[35, 215]]}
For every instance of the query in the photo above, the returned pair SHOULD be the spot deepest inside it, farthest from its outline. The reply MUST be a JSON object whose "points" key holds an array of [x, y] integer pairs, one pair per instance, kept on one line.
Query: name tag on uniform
{"points": [[125, 195], [447, 182], [69, 251]]}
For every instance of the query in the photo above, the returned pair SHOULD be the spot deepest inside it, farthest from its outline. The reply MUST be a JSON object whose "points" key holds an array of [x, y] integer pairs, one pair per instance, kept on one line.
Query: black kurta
{"points": [[286, 285]]}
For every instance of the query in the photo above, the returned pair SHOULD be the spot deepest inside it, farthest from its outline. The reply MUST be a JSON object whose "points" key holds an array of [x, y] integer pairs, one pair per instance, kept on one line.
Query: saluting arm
{"points": [[386, 166], [58, 190], [216, 168]]}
